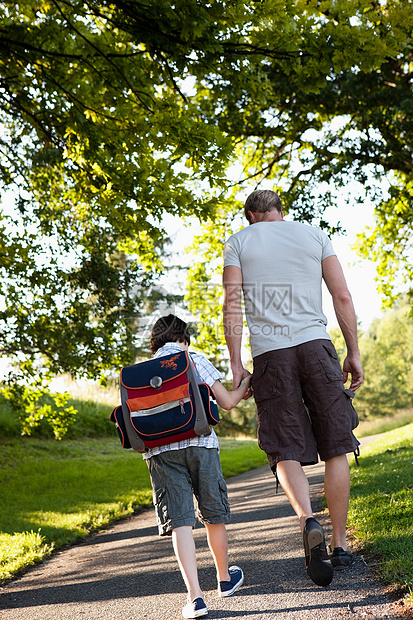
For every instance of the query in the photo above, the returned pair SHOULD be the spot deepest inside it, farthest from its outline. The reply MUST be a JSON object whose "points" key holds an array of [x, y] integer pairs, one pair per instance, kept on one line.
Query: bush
{"points": [[91, 420], [241, 421], [92, 416]]}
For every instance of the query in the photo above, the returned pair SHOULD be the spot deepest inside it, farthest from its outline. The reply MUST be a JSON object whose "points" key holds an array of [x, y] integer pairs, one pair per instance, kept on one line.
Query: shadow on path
{"points": [[129, 572]]}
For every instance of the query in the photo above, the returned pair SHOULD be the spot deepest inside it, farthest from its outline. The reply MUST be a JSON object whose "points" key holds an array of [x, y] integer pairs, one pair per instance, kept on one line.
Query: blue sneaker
{"points": [[195, 609], [226, 588]]}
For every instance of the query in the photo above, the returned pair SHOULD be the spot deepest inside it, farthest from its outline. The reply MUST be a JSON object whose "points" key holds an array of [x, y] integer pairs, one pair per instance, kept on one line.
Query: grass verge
{"points": [[54, 493], [381, 506], [382, 424]]}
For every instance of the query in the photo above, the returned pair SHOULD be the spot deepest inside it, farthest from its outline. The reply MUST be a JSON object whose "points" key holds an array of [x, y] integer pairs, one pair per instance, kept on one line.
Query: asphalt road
{"points": [[127, 572]]}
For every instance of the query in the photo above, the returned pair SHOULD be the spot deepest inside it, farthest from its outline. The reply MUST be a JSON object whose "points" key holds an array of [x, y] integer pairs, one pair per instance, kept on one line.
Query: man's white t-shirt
{"points": [[281, 281]]}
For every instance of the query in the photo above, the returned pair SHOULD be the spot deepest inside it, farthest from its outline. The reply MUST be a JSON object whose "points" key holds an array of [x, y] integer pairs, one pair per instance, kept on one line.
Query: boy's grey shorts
{"points": [[178, 475]]}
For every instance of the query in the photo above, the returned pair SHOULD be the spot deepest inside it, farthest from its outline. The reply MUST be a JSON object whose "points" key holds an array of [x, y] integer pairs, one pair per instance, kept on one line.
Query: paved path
{"points": [[127, 572]]}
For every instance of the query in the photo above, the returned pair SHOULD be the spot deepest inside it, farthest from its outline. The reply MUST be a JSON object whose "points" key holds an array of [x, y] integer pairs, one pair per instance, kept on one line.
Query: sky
{"points": [[360, 273]]}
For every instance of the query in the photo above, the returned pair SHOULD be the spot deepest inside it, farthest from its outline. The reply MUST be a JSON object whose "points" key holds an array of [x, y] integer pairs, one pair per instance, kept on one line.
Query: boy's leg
{"points": [[229, 579], [211, 493], [184, 547], [218, 544]]}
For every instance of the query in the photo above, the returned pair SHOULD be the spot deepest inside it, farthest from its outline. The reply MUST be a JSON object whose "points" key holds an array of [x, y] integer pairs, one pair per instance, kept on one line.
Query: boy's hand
{"points": [[246, 382], [238, 374]]}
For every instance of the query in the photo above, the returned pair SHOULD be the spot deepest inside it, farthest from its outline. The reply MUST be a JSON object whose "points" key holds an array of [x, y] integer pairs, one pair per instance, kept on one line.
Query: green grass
{"points": [[381, 505], [54, 493], [382, 424]]}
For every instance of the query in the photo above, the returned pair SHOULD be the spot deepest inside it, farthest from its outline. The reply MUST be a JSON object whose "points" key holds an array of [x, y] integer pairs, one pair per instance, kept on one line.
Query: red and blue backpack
{"points": [[163, 400]]}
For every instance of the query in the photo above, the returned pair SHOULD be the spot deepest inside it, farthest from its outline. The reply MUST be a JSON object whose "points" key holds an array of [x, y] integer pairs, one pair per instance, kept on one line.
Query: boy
{"points": [[192, 467]]}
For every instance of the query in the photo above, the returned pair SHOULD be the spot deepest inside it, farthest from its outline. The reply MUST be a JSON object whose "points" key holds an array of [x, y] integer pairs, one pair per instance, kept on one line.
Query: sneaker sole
{"points": [[196, 614], [320, 571]]}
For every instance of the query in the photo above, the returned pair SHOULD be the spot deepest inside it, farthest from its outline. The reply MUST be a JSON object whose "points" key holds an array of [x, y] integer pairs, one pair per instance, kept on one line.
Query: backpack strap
{"points": [[201, 423], [134, 439]]}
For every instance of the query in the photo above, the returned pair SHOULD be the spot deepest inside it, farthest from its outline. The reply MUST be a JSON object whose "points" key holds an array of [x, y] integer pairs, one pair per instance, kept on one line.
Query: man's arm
{"points": [[346, 316], [233, 321]]}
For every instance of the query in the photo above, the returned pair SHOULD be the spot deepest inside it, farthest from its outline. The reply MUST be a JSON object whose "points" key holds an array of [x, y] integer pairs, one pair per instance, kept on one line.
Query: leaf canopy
{"points": [[114, 113]]}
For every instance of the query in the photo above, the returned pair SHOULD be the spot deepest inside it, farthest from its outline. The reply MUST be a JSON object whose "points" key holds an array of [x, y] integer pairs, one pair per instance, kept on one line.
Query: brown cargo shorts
{"points": [[303, 407]]}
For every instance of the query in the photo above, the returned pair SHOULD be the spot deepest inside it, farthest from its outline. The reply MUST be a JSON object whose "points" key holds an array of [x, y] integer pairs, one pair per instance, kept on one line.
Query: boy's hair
{"points": [[168, 329]]}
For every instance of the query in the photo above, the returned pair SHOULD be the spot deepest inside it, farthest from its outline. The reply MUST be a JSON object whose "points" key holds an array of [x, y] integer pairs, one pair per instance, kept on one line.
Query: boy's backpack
{"points": [[163, 400]]}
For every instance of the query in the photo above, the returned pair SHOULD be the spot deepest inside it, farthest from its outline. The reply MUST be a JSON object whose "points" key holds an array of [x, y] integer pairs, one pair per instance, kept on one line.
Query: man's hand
{"points": [[238, 374], [352, 366]]}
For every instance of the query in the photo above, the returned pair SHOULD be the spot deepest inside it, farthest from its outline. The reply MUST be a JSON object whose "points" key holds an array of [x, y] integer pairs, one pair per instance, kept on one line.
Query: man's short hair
{"points": [[168, 329], [262, 200]]}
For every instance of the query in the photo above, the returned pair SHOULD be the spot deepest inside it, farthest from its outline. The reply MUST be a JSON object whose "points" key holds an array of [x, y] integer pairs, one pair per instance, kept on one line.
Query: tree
{"points": [[117, 112], [94, 127], [387, 358], [343, 113]]}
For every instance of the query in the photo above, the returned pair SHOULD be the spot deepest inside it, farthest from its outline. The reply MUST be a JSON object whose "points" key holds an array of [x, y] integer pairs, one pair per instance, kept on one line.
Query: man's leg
{"points": [[184, 547], [336, 488], [337, 492], [295, 485]]}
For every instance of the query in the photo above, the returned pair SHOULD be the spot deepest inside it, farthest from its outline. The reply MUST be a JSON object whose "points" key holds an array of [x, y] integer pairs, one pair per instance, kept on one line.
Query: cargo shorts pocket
{"points": [[328, 359], [264, 382], [224, 494], [160, 500], [353, 413]]}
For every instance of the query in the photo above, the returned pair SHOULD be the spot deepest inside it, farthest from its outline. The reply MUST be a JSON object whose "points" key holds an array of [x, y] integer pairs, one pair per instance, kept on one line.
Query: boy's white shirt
{"points": [[209, 374]]}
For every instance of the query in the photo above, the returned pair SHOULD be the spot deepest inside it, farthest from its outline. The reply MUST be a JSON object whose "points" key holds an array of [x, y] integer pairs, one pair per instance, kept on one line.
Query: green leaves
{"points": [[390, 243], [100, 127], [386, 354], [30, 396], [115, 113]]}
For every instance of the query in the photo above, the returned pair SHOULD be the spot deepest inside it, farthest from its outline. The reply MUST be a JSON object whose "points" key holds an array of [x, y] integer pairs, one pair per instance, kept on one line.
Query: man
{"points": [[303, 408]]}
